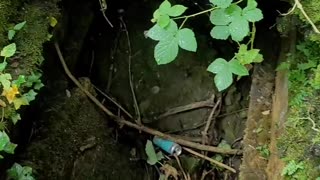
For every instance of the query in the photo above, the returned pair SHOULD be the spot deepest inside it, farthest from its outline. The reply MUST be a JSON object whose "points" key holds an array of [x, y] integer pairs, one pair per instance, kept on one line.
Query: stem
{"points": [[184, 21], [253, 35], [196, 14]]}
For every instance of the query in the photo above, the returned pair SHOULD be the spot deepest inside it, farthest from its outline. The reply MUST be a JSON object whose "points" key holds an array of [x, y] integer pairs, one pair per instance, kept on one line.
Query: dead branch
{"points": [[205, 131]]}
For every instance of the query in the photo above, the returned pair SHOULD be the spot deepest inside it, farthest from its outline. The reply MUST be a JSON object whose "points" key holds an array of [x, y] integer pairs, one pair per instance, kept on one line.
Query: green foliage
{"points": [[224, 70], [228, 18], [17, 27], [8, 50], [153, 157], [170, 39], [5, 144], [264, 151], [18, 172], [292, 168]]}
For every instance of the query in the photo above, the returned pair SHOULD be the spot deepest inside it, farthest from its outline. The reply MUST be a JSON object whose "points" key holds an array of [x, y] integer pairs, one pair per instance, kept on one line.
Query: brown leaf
{"points": [[170, 171]]}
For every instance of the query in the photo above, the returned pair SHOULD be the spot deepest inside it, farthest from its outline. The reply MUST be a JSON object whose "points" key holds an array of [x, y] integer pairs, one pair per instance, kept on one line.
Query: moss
{"points": [[8, 10], [31, 38], [299, 138]]}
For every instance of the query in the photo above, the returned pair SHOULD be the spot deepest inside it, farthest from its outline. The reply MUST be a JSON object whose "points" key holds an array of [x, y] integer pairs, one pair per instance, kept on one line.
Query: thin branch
{"points": [[136, 107], [103, 5], [210, 159], [188, 107], [180, 166], [113, 101], [145, 129], [206, 129]]}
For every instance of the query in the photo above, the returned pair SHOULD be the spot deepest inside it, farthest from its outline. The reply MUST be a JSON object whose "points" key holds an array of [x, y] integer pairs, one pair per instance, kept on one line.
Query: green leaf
{"points": [[221, 3], [223, 80], [9, 148], [245, 56], [30, 96], [187, 39], [3, 65], [177, 10], [18, 102], [5, 80], [163, 21], [11, 34], [166, 51], [237, 68], [21, 79], [239, 28], [218, 65], [38, 86], [220, 32], [4, 140], [160, 156], [17, 172], [15, 118], [19, 26], [156, 15], [165, 7], [252, 15], [8, 50], [151, 153], [252, 4], [158, 33], [233, 11], [220, 17], [1, 157]]}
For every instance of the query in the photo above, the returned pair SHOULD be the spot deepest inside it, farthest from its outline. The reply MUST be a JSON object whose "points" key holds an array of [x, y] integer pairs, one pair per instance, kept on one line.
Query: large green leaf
{"points": [[233, 11], [9, 148], [239, 28], [223, 80], [151, 153], [237, 68], [252, 15], [177, 10], [9, 50], [158, 33], [221, 3], [166, 50], [187, 39], [218, 65], [220, 17], [220, 32], [165, 7], [3, 65]]}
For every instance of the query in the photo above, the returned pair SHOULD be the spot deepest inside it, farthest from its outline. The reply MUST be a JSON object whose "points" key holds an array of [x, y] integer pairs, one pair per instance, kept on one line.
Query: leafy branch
{"points": [[229, 20]]}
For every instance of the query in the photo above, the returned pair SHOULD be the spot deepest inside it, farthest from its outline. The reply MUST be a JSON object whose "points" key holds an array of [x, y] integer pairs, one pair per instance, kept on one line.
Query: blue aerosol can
{"points": [[169, 146]]}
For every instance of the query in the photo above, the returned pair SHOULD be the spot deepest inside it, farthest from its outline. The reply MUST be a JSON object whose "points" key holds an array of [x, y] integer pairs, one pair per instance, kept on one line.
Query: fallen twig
{"points": [[210, 159], [122, 121], [135, 102], [182, 170], [206, 129], [313, 124], [189, 107]]}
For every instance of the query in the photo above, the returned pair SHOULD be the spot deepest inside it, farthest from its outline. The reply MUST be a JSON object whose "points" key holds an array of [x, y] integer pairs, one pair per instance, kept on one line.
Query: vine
{"points": [[229, 20]]}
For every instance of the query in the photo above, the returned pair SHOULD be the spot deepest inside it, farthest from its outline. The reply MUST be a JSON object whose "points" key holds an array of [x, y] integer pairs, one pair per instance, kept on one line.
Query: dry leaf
{"points": [[170, 171], [266, 112]]}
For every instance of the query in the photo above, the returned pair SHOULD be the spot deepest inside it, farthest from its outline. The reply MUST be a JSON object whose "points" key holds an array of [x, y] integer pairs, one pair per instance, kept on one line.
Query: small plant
{"points": [[18, 172], [153, 157], [229, 20], [292, 168], [264, 151]]}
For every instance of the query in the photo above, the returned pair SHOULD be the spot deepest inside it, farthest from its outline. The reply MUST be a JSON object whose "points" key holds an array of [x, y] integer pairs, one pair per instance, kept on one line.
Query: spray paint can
{"points": [[169, 146]]}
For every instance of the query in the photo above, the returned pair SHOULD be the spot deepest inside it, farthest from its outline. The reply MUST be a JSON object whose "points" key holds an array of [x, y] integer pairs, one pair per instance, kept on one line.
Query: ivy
{"points": [[18, 172], [229, 20]]}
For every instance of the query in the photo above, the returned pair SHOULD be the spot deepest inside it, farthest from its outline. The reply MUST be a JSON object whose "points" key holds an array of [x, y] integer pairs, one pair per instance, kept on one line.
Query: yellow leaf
{"points": [[10, 93], [18, 102], [53, 21]]}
